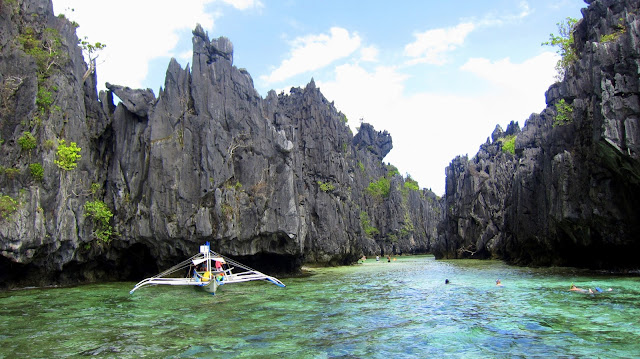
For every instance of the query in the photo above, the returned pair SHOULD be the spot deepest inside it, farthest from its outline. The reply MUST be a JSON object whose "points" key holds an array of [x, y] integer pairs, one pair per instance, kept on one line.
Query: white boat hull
{"points": [[210, 287]]}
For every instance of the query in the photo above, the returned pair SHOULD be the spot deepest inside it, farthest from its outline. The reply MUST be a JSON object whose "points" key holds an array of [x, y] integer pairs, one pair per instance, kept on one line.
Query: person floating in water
{"points": [[446, 281], [498, 283], [598, 290], [580, 290], [576, 289], [590, 291]]}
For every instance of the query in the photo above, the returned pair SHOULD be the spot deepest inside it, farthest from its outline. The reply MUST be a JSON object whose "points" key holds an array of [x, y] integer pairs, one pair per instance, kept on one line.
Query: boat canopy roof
{"points": [[197, 261]]}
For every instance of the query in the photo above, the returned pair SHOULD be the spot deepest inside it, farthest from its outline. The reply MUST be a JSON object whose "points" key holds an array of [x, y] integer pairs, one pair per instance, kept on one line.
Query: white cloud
{"points": [[244, 4], [432, 46], [184, 57], [501, 19], [135, 32], [530, 78], [430, 128], [313, 52], [525, 10], [559, 4], [369, 54], [360, 93]]}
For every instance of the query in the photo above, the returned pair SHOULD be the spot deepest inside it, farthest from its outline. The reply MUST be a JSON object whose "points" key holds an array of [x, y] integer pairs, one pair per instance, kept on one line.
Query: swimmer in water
{"points": [[602, 291], [498, 283], [576, 289]]}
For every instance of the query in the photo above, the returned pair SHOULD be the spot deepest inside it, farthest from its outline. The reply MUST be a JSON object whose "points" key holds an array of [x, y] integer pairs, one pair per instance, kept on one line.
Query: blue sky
{"points": [[438, 75]]}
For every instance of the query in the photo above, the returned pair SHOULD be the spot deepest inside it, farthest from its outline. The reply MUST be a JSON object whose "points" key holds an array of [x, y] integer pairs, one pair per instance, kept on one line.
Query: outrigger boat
{"points": [[207, 270]]}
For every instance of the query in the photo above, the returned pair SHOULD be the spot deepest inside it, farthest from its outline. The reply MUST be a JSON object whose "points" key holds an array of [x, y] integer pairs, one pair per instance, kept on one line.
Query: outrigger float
{"points": [[207, 270]]}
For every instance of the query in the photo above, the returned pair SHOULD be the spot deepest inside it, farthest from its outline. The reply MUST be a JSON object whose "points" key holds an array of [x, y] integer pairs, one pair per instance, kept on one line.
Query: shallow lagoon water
{"points": [[375, 310]]}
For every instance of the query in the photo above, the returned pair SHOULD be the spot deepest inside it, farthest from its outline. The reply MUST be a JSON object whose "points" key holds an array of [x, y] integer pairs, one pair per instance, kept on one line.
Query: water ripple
{"points": [[375, 310]]}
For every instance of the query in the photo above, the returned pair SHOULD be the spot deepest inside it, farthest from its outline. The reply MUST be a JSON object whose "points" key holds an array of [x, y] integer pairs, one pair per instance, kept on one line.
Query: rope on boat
{"points": [[248, 273]]}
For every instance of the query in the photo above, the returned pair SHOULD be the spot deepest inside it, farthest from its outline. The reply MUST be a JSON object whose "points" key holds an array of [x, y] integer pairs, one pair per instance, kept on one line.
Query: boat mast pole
{"points": [[208, 257]]}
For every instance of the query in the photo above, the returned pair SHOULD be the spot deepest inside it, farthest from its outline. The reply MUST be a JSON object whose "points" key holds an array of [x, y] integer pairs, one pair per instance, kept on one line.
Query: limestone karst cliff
{"points": [[569, 193], [280, 181], [274, 182]]}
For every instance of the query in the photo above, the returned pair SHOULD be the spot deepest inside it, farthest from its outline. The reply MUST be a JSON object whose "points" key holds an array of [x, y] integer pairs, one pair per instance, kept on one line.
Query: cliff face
{"points": [[281, 181], [569, 193], [274, 182], [43, 100]]}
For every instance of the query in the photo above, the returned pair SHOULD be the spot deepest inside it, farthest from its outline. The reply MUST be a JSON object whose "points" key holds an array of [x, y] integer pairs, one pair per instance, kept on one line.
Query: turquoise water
{"points": [[400, 309]]}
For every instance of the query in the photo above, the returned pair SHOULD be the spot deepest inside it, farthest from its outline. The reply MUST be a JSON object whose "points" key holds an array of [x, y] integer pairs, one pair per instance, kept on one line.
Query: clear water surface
{"points": [[400, 309]]}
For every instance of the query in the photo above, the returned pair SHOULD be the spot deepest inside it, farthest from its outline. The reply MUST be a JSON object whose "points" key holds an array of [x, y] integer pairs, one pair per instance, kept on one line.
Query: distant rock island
{"points": [[94, 191]]}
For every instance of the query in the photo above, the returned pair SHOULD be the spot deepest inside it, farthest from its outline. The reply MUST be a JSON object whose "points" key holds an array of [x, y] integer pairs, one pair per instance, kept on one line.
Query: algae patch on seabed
{"points": [[401, 308]]}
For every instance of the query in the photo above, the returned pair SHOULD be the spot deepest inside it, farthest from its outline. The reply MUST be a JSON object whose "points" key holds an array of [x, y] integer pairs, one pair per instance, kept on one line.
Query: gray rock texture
{"points": [[569, 194], [281, 181], [274, 182]]}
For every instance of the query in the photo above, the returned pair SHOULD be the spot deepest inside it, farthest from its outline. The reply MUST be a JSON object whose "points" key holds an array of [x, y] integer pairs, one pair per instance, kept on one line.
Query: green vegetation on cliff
{"points": [[326, 186], [366, 224], [101, 215], [68, 156], [411, 184], [620, 29], [509, 144], [27, 141], [564, 114], [8, 206], [44, 48], [565, 43], [392, 171], [380, 188], [91, 51], [37, 171]]}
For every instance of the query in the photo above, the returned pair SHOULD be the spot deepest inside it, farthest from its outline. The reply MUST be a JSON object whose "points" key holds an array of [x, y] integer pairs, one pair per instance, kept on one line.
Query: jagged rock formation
{"points": [[274, 182], [569, 193]]}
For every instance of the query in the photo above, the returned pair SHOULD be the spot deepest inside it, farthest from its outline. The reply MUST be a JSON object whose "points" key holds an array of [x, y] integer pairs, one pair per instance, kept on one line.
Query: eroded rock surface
{"points": [[274, 182], [569, 194]]}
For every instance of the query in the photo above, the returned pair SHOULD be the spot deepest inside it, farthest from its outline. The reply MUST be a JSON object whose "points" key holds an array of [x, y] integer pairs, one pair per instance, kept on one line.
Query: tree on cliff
{"points": [[91, 51], [566, 46]]}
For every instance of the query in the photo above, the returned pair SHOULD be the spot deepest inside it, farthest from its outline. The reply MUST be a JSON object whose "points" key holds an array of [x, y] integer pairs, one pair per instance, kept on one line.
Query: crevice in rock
{"points": [[137, 263], [271, 263]]}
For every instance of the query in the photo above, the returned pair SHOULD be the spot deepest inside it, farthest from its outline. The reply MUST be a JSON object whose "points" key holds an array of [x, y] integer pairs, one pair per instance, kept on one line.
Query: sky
{"points": [[438, 75]]}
